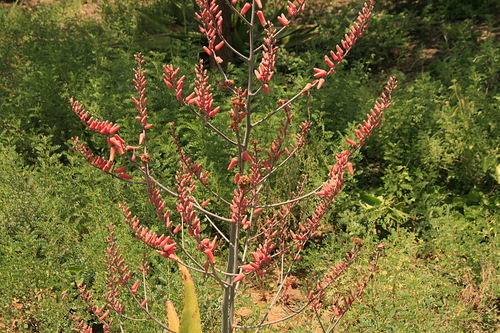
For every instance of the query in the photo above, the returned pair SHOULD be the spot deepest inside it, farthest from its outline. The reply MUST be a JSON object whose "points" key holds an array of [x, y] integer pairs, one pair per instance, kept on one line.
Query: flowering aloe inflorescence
{"points": [[260, 230]]}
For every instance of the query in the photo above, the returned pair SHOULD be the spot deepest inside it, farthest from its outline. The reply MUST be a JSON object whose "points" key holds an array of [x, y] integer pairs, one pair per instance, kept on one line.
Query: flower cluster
{"points": [[142, 101], [261, 257], [238, 112], [105, 128], [100, 162], [356, 31], [156, 199], [240, 203], [164, 245], [343, 303], [277, 149], [374, 118], [292, 10], [266, 68], [140, 87], [336, 176], [169, 77], [118, 274], [202, 96], [331, 275], [210, 17], [207, 246]]}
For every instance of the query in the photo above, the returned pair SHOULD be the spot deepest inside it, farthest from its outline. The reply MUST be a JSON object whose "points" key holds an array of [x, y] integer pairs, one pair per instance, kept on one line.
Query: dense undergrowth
{"points": [[426, 184]]}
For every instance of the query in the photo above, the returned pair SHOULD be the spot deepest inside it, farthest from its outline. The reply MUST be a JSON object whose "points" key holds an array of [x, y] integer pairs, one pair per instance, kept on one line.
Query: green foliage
{"points": [[426, 184]]}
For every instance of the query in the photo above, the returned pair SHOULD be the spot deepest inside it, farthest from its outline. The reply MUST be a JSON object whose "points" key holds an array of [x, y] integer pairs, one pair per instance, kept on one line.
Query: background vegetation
{"points": [[426, 185]]}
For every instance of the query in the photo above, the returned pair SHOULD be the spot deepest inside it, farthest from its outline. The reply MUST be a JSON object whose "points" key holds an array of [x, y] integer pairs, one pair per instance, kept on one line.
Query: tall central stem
{"points": [[230, 290], [228, 298]]}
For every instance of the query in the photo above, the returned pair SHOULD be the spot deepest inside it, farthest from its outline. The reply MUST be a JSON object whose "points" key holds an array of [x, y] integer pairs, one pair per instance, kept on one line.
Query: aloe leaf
{"points": [[172, 317], [190, 319]]}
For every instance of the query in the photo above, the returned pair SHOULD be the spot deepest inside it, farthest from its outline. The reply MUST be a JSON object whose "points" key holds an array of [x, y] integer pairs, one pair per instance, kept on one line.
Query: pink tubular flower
{"points": [[246, 157], [239, 277], [245, 8], [320, 72], [134, 287], [283, 20], [320, 83], [261, 17], [233, 162], [208, 247], [121, 169]]}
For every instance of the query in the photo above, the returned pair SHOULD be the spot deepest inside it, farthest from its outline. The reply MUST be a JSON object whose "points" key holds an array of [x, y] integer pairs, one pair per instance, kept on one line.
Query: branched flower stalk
{"points": [[260, 231]]}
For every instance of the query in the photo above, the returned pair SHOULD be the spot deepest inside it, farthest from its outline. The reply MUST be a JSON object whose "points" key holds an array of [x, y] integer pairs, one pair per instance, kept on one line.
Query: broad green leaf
{"points": [[190, 319]]}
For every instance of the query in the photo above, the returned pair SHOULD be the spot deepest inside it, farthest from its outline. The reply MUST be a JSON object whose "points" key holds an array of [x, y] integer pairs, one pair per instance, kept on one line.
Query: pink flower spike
{"points": [[261, 17], [148, 126], [259, 3], [142, 137], [205, 203], [245, 8], [258, 211]]}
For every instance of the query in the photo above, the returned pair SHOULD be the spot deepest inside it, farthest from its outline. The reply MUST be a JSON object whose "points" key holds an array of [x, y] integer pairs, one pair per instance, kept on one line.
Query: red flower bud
{"points": [[239, 277], [262, 20]]}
